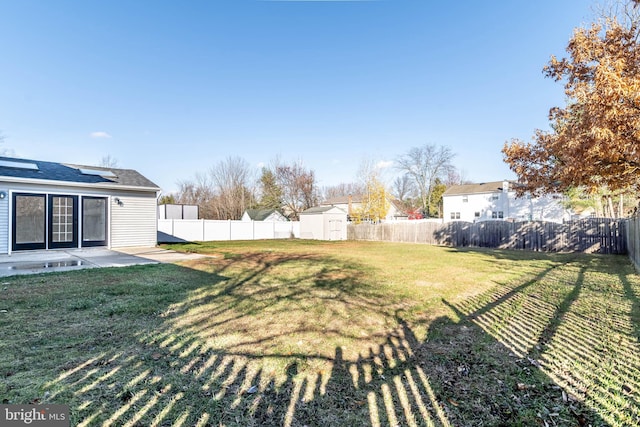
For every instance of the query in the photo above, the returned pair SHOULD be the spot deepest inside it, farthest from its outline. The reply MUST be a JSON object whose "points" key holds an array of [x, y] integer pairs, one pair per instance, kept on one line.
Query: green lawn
{"points": [[302, 333]]}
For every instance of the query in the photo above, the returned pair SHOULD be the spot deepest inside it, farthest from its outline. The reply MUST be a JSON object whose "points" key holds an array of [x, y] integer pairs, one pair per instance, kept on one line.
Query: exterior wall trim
{"points": [[48, 182]]}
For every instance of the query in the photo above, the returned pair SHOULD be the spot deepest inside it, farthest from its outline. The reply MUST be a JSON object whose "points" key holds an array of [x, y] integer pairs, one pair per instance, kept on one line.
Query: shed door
{"points": [[335, 229]]}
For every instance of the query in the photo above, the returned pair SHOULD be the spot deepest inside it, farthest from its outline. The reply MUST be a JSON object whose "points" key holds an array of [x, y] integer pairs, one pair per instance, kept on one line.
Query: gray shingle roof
{"points": [[320, 209], [261, 214], [52, 171], [343, 200], [483, 187]]}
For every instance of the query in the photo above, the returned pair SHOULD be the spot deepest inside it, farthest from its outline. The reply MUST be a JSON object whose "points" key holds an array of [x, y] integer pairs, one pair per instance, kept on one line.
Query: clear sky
{"points": [[170, 88]]}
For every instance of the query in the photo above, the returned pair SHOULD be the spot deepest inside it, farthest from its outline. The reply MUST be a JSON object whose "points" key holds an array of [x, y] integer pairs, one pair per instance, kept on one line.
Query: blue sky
{"points": [[171, 88]]}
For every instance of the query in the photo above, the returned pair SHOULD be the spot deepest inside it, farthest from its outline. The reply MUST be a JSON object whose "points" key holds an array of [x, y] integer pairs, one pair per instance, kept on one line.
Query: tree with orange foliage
{"points": [[595, 138]]}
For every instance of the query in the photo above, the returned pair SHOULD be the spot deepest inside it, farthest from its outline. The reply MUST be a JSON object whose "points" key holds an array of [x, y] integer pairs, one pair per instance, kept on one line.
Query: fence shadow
{"points": [[230, 353]]}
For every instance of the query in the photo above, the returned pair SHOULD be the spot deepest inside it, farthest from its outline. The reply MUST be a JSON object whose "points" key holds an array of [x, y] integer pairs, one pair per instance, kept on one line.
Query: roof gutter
{"points": [[78, 184]]}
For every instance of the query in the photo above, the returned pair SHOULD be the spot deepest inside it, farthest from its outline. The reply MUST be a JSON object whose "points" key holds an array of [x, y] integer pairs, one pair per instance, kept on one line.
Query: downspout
{"points": [[158, 193]]}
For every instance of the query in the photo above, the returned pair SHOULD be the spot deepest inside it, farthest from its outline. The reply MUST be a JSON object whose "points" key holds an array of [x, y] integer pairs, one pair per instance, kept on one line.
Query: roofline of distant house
{"points": [[476, 192], [52, 182]]}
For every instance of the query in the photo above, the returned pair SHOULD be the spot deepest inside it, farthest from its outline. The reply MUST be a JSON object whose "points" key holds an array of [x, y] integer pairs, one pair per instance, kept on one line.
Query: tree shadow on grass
{"points": [[249, 344]]}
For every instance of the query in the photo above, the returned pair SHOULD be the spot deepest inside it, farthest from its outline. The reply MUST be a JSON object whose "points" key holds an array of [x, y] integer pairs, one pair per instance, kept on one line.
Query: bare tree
{"points": [[342, 189], [232, 182], [108, 161], [224, 193], [403, 188], [425, 165], [198, 192], [299, 189], [5, 151]]}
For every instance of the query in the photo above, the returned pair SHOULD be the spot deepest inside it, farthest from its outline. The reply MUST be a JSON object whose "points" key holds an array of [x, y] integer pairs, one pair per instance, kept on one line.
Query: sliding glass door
{"points": [[94, 221], [42, 221], [29, 217]]}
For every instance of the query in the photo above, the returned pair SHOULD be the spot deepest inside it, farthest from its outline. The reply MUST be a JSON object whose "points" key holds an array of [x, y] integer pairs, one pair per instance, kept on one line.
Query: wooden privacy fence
{"points": [[633, 240], [594, 235]]}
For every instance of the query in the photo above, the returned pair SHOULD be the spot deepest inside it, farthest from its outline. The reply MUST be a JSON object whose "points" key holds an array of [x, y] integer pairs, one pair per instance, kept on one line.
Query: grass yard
{"points": [[300, 333]]}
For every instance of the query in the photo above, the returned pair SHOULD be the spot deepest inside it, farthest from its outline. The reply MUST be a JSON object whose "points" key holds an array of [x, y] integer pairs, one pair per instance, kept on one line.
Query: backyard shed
{"points": [[47, 205], [323, 223]]}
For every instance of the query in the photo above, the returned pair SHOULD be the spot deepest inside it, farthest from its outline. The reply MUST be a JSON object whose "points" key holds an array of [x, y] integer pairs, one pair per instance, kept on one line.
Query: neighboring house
{"points": [[263, 215], [352, 204], [47, 205], [323, 223], [497, 201]]}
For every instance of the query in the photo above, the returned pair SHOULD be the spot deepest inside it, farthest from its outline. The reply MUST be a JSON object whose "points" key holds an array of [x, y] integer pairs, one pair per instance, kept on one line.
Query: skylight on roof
{"points": [[97, 172], [18, 165]]}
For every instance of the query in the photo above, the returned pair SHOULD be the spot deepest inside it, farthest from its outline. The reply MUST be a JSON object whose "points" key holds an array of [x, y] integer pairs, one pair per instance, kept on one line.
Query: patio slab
{"points": [[33, 262]]}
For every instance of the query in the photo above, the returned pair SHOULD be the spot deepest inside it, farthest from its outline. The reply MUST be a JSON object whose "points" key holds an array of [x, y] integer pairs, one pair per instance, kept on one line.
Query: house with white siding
{"points": [[497, 200], [47, 205], [353, 203], [266, 215]]}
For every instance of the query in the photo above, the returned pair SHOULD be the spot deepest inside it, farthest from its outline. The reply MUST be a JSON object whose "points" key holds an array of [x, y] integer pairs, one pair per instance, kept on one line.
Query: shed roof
{"points": [[479, 188], [322, 209], [23, 169]]}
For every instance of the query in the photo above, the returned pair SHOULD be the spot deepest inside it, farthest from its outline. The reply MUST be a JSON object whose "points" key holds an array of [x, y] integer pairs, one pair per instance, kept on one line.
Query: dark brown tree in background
{"points": [[299, 188]]}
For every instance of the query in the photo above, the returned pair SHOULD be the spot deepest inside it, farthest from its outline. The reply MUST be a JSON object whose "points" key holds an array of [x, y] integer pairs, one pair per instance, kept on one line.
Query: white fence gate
{"points": [[205, 230]]}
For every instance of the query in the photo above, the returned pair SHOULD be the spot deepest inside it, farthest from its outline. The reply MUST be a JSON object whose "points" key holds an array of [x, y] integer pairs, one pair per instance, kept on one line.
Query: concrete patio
{"points": [[33, 262]]}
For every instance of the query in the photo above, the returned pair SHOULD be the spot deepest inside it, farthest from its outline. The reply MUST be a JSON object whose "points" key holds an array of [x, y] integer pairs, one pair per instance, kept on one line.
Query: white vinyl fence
{"points": [[205, 230]]}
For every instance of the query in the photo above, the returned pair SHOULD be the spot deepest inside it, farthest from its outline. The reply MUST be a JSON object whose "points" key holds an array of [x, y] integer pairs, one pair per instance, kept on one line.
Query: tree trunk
{"points": [[621, 206], [612, 212]]}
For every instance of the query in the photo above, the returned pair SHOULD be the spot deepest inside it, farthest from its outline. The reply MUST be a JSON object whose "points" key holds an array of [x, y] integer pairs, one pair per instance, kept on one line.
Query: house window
{"points": [[455, 215], [495, 197], [465, 199], [494, 215], [477, 214], [500, 214]]}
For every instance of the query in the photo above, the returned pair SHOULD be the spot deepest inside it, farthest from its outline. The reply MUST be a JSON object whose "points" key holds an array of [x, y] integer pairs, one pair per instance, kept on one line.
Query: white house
{"points": [[497, 201], [351, 204], [46, 205], [267, 215]]}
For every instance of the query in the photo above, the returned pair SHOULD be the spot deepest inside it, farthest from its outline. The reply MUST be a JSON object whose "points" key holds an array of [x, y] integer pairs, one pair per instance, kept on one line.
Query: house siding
{"points": [[133, 221], [133, 224], [4, 222], [545, 208], [393, 212]]}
